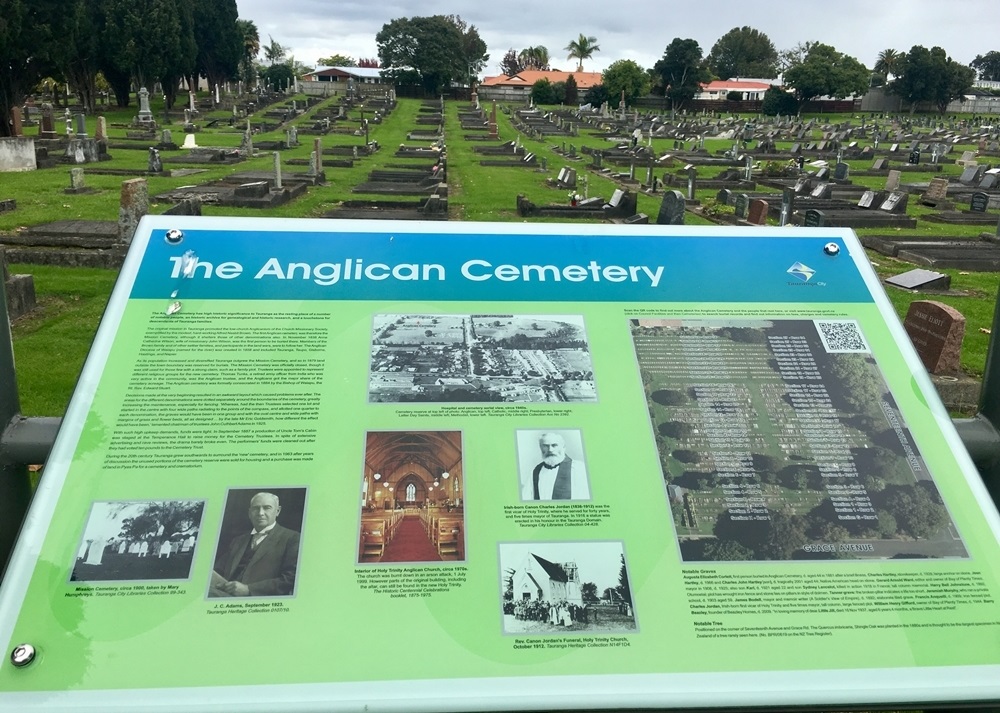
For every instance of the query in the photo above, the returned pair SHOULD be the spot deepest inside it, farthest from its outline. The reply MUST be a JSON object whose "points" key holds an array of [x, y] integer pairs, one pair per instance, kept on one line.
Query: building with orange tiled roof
{"points": [[518, 87]]}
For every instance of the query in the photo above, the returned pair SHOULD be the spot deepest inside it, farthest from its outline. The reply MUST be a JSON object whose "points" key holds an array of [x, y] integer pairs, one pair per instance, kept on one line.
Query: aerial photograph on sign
{"points": [[458, 358], [780, 440]]}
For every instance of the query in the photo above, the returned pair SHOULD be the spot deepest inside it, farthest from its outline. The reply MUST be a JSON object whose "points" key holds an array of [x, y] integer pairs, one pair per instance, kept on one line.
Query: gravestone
{"points": [[145, 116], [841, 172], [101, 132], [979, 202], [47, 130], [867, 199], [758, 212], [692, 181], [880, 164], [914, 157], [814, 218], [724, 196], [81, 126], [16, 127], [154, 164], [671, 209], [920, 279], [822, 190], [892, 180], [895, 203], [787, 205], [970, 175], [989, 181], [936, 191], [936, 331], [133, 205], [802, 185], [742, 206]]}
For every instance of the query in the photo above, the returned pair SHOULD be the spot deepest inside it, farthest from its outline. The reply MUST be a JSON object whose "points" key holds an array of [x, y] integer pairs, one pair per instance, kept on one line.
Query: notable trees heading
{"points": [[930, 75], [743, 52], [438, 49], [826, 72], [681, 71]]}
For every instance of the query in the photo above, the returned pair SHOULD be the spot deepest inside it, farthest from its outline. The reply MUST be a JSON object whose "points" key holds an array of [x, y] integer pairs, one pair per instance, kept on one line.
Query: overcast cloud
{"points": [[638, 30]]}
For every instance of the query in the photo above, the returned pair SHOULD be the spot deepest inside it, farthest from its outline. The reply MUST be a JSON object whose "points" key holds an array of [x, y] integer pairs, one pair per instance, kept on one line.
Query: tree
{"points": [[681, 71], [572, 91], [124, 40], [180, 57], [623, 588], [26, 40], [931, 76], [220, 41], [337, 60], [917, 509], [987, 66], [625, 76], [779, 102], [887, 63], [794, 56], [534, 58], [726, 551], [368, 62], [277, 77], [827, 72], [543, 92], [511, 63], [163, 519], [274, 51], [251, 48], [743, 52], [438, 49], [596, 95], [582, 48], [588, 592]]}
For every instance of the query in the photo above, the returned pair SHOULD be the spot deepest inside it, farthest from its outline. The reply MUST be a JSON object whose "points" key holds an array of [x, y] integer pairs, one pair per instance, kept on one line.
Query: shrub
{"points": [[778, 101]]}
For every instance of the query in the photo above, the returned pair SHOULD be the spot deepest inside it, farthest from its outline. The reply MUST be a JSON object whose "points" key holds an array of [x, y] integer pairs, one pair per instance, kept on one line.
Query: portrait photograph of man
{"points": [[258, 550], [551, 465]]}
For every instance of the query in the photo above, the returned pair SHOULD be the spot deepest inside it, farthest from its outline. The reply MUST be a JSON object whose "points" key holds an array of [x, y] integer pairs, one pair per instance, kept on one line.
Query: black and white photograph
{"points": [[126, 541], [472, 358], [551, 465], [560, 588], [258, 549]]}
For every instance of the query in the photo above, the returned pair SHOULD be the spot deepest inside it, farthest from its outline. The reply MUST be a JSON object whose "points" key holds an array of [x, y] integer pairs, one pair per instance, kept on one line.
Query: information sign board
{"points": [[453, 466]]}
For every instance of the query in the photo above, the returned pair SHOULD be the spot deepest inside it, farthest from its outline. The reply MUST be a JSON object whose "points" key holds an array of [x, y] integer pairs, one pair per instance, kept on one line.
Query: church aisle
{"points": [[410, 544]]}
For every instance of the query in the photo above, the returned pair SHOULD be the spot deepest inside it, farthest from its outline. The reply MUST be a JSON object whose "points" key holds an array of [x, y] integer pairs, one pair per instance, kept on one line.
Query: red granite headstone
{"points": [[936, 330], [758, 212]]}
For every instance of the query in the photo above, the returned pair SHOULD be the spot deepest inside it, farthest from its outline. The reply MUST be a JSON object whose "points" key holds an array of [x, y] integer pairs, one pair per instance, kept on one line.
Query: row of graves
{"points": [[417, 175]]}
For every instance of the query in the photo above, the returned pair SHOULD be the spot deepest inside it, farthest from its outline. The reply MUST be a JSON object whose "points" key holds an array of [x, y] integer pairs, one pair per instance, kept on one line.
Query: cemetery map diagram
{"points": [[480, 358], [779, 440]]}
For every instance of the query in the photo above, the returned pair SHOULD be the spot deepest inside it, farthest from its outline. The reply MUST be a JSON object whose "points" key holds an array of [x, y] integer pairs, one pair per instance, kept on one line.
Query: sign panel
{"points": [[318, 464]]}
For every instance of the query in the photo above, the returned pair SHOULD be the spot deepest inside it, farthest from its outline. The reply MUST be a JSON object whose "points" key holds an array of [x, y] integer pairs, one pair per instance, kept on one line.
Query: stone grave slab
{"points": [[936, 330], [920, 279]]}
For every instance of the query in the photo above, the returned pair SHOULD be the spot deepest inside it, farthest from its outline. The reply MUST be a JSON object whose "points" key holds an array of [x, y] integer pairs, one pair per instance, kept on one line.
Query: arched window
{"points": [[411, 493]]}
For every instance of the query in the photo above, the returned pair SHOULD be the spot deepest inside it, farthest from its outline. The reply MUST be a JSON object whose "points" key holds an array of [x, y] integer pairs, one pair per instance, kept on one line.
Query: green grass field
{"points": [[51, 344]]}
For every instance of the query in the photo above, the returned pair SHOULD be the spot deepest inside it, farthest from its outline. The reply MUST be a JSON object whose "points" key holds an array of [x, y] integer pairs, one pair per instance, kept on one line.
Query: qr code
{"points": [[841, 336]]}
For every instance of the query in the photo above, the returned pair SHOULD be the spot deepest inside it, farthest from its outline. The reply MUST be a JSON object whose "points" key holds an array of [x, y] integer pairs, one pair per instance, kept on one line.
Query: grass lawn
{"points": [[50, 344]]}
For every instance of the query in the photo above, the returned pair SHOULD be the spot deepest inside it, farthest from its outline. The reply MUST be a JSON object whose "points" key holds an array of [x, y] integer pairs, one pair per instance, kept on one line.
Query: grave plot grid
{"points": [[779, 440]]}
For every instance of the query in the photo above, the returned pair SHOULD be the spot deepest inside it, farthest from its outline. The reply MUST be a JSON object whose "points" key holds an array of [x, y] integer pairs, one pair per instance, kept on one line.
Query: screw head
{"points": [[174, 236], [831, 249], [22, 655]]}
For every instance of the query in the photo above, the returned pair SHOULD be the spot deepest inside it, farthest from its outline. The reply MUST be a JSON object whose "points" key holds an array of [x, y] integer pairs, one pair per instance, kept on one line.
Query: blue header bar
{"points": [[498, 266]]}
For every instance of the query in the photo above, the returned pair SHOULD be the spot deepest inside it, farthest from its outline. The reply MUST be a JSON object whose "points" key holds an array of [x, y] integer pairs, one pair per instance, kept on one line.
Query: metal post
{"points": [[15, 486]]}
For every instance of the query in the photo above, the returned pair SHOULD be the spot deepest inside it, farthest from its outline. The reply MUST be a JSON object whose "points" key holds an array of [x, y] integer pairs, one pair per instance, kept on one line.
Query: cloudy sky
{"points": [[638, 30]]}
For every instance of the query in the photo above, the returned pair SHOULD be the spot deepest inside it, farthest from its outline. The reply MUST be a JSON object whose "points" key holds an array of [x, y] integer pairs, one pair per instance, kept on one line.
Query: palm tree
{"points": [[534, 58], [888, 63], [274, 51], [251, 48], [581, 49]]}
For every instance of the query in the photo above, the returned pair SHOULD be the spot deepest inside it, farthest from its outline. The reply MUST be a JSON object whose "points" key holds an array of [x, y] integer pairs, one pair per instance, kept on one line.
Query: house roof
{"points": [[584, 80], [555, 572], [359, 72], [734, 85]]}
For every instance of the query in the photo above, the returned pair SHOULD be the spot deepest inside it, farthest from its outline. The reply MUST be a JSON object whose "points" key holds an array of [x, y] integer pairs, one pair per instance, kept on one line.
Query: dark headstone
{"points": [[841, 172], [758, 212], [823, 174], [671, 209], [814, 218], [724, 196], [914, 157], [989, 181], [970, 175], [16, 127], [742, 204], [980, 202], [880, 164], [936, 330]]}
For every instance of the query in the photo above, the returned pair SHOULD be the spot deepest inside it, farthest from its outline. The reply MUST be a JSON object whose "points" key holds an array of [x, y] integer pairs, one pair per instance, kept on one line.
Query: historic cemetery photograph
{"points": [[480, 358], [774, 448], [126, 541]]}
